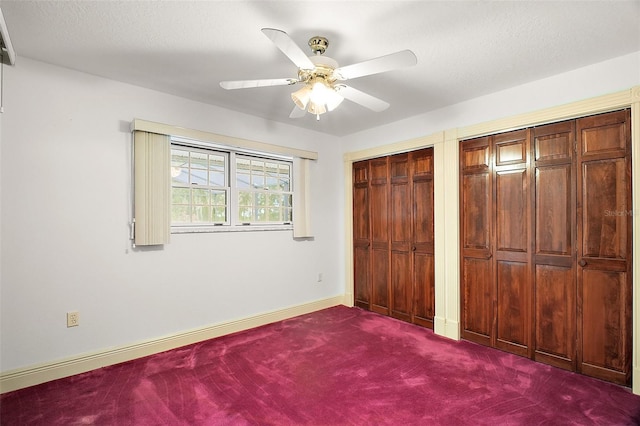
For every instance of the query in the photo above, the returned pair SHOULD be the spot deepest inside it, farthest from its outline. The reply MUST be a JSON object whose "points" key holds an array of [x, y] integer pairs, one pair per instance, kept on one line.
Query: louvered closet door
{"points": [[361, 235], [604, 246], [475, 240], [555, 233]]}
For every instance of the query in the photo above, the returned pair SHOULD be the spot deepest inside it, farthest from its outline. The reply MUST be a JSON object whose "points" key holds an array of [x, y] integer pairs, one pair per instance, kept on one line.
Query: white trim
{"points": [[447, 314], [24, 377], [635, 204], [214, 138]]}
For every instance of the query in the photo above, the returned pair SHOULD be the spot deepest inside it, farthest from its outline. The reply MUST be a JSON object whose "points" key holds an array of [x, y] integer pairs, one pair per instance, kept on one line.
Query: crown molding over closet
{"points": [[446, 188]]}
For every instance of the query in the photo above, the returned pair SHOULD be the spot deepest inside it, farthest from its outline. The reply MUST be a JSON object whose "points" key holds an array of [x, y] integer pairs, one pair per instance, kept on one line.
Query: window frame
{"points": [[233, 223]]}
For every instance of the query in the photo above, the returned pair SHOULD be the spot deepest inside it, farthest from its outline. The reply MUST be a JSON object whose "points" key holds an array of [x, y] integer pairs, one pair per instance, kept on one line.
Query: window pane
{"points": [[180, 214], [261, 199], [180, 195], [201, 214], [273, 184], [274, 214], [199, 160], [201, 197], [179, 165], [287, 215], [243, 181], [198, 177], [274, 200], [243, 164], [219, 214], [257, 166], [179, 158], [245, 214], [257, 181], [245, 198], [261, 214], [285, 185], [219, 198], [217, 168]]}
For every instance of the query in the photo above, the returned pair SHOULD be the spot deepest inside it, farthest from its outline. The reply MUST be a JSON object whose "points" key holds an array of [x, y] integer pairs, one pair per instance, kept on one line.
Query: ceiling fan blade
{"points": [[246, 84], [289, 48], [404, 58], [364, 99], [297, 112]]}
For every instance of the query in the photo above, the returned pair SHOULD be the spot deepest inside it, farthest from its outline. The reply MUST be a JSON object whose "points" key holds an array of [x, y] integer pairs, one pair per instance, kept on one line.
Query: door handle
{"points": [[413, 248], [582, 263]]}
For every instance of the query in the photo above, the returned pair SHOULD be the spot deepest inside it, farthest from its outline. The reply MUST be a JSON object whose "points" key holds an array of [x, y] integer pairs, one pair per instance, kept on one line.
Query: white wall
{"points": [[65, 173]]}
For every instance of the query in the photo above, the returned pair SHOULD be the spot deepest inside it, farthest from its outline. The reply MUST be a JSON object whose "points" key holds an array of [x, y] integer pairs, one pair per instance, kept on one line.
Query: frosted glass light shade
{"points": [[301, 97]]}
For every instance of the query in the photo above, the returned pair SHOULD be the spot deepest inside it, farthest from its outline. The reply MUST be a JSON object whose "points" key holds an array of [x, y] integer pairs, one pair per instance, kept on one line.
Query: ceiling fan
{"points": [[322, 78]]}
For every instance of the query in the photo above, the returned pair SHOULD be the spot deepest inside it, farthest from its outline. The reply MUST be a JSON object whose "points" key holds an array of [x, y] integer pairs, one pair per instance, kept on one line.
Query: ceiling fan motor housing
{"points": [[318, 44]]}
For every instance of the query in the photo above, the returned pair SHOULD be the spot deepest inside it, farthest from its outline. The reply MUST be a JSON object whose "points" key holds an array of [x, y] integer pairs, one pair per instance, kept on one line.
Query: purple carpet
{"points": [[339, 366]]}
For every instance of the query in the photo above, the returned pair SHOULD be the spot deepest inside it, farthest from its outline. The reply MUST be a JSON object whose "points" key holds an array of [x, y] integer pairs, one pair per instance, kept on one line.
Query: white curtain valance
{"points": [[199, 135]]}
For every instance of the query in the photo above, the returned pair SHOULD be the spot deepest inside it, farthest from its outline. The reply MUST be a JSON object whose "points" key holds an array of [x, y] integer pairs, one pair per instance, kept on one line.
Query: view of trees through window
{"points": [[215, 187]]}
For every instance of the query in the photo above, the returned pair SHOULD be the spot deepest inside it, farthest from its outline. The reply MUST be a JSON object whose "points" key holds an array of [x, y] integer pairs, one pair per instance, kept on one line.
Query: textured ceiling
{"points": [[465, 49]]}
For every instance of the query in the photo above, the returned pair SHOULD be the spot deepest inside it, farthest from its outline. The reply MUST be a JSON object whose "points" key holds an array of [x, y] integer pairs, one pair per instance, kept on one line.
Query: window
{"points": [[214, 186]]}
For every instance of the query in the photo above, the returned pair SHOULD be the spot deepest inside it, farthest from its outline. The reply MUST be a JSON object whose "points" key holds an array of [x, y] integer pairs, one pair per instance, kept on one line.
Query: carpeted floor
{"points": [[339, 366]]}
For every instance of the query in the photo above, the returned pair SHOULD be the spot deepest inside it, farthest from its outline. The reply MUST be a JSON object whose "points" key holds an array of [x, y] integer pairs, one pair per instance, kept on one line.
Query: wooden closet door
{"points": [[554, 229], [604, 246], [475, 241], [379, 214], [421, 170], [400, 228], [361, 235], [511, 242]]}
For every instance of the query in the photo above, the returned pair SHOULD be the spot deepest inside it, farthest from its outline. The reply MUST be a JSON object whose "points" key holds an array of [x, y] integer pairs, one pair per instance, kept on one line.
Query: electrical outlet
{"points": [[73, 319]]}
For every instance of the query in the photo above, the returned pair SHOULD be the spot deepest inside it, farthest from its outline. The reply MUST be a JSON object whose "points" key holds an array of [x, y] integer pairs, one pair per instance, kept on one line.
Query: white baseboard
{"points": [[29, 376], [446, 328]]}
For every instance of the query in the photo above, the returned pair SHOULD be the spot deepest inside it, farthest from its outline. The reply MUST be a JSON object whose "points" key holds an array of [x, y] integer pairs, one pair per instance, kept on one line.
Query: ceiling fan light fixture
{"points": [[317, 109], [301, 97]]}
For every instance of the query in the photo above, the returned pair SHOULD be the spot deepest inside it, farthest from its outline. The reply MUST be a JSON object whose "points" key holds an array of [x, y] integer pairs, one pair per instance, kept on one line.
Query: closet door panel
{"points": [[476, 199], [555, 316], [380, 281], [605, 209], [604, 352], [511, 242], [512, 211], [604, 246], [513, 322], [553, 212], [477, 290], [424, 285], [423, 241], [378, 208], [401, 235], [554, 228], [361, 235], [361, 277]]}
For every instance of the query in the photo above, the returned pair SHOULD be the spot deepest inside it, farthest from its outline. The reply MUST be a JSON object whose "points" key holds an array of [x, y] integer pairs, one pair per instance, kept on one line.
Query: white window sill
{"points": [[227, 228]]}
